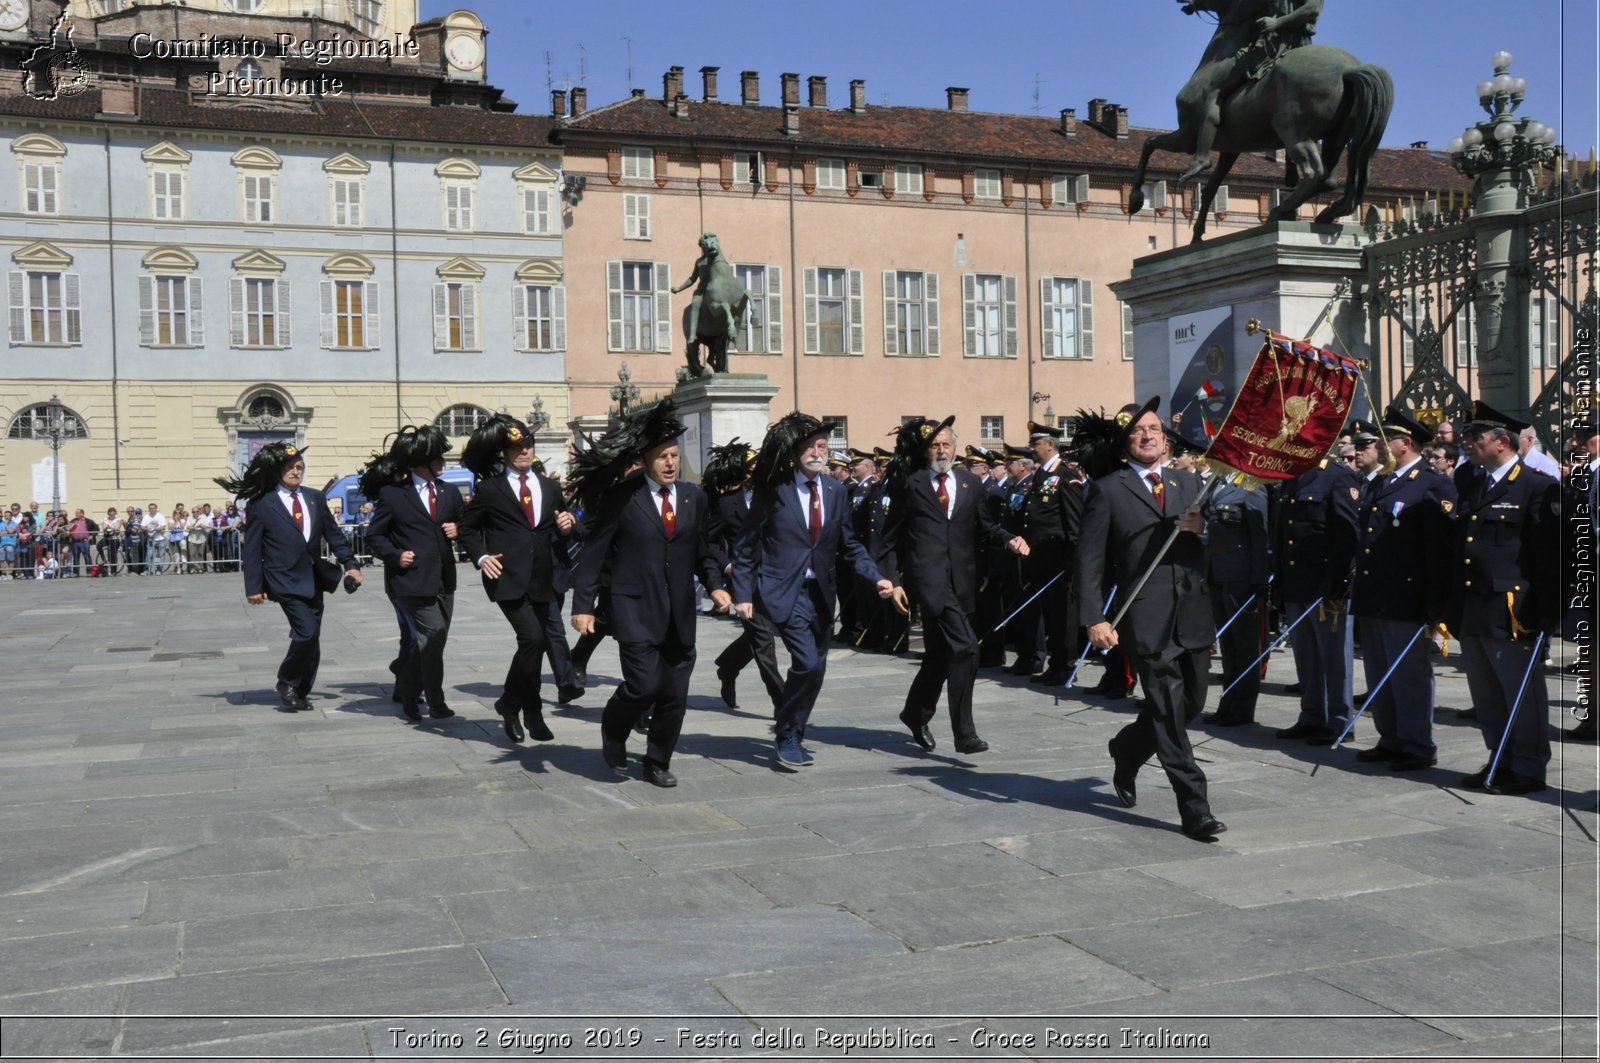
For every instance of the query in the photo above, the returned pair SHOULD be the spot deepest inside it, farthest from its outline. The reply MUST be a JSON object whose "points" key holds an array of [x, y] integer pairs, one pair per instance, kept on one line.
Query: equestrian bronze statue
{"points": [[720, 302]]}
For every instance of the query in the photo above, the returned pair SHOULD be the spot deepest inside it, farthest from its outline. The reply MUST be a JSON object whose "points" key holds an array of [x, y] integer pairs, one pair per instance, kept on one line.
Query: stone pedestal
{"points": [[714, 409], [1191, 305]]}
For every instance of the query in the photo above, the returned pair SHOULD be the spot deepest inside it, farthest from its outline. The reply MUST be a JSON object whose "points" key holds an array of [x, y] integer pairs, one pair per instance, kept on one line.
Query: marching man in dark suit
{"points": [[509, 530], [1508, 533], [649, 534], [938, 522], [413, 525], [784, 565], [1128, 514], [727, 477], [285, 527]]}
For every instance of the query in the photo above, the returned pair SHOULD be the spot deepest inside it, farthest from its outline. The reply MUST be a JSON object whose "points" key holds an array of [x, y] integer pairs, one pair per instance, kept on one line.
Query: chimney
{"points": [[955, 99], [116, 96], [708, 79], [1069, 121], [791, 89], [791, 118], [672, 84], [858, 97], [1097, 107], [750, 88], [579, 100], [680, 106], [558, 102], [817, 87], [1117, 119]]}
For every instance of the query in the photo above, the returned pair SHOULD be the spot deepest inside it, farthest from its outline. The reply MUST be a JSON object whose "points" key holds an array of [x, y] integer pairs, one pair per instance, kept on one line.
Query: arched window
{"points": [[33, 422], [265, 406], [462, 420], [248, 70]]}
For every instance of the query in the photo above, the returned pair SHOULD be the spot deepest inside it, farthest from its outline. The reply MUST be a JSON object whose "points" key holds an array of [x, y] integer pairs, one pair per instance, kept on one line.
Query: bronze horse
{"points": [[711, 320], [1315, 102]]}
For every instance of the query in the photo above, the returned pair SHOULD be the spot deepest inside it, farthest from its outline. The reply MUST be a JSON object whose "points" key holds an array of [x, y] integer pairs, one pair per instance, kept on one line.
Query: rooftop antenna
{"points": [[583, 64], [1037, 81], [549, 75], [629, 41]]}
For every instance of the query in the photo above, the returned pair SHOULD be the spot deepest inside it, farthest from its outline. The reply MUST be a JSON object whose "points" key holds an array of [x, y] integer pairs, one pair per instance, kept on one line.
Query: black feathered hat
{"points": [[776, 458], [264, 472], [485, 452], [605, 461], [727, 466], [407, 449], [911, 442]]}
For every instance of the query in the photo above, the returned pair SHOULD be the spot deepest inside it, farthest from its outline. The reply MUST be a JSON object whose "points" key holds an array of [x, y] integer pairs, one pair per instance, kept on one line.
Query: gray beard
{"points": [[942, 465]]}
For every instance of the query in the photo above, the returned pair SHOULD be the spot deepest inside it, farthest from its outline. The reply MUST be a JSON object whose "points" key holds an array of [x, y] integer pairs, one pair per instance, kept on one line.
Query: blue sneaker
{"points": [[790, 757]]}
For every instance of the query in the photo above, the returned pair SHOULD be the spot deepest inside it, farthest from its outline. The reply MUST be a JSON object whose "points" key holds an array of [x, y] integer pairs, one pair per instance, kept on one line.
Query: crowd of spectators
{"points": [[140, 541]]}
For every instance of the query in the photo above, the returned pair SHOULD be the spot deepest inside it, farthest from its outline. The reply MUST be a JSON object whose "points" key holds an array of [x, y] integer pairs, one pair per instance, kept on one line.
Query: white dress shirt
{"points": [[655, 496], [514, 478], [286, 496], [420, 484]]}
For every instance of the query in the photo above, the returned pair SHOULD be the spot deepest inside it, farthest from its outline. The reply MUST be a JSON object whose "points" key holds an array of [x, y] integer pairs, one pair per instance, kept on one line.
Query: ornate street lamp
{"points": [[623, 393], [55, 426], [1503, 141], [538, 419]]}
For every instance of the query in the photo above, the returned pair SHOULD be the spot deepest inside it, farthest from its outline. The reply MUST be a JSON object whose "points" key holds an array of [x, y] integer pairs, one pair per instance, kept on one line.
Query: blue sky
{"points": [[1134, 52]]}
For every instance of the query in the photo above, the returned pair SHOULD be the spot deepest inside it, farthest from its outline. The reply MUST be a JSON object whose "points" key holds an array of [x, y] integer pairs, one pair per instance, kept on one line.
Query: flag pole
{"points": [[1144, 577], [1084, 656]]}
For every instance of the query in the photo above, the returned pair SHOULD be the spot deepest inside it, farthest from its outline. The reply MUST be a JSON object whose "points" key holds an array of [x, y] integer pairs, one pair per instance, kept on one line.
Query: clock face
{"points": [[13, 14], [465, 53]]}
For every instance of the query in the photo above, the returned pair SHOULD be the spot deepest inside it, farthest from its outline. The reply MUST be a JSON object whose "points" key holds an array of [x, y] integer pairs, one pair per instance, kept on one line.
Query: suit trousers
{"points": [[1495, 668], [555, 644], [299, 668], [1402, 710], [422, 670], [949, 660], [805, 636], [1241, 645], [1050, 611], [526, 618], [408, 639], [755, 643], [655, 679], [1324, 663], [1174, 683]]}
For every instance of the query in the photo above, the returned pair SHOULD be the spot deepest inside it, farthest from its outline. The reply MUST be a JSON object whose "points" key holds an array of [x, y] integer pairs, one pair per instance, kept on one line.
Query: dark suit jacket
{"points": [[494, 522], [652, 576], [400, 522], [775, 549], [1122, 530], [934, 556], [728, 513], [276, 557]]}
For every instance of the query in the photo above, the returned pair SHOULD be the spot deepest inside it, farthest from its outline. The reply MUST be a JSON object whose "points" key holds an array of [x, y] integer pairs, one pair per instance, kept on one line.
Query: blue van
{"points": [[345, 497]]}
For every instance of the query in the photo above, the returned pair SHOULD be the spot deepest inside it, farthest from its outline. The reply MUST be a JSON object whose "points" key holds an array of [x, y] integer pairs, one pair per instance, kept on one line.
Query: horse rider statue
{"points": [[712, 318]]}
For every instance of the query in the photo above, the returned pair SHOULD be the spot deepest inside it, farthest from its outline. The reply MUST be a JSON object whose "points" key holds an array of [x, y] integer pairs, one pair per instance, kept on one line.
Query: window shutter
{"points": [[340, 203], [643, 216], [71, 290], [858, 331], [236, 311], [1047, 316], [1080, 188], [1086, 318], [327, 293], [280, 291], [158, 194], [890, 334], [519, 316], [774, 310], [147, 311], [441, 317], [1009, 287], [558, 317], [541, 211], [969, 312], [369, 314], [51, 174], [1219, 202], [613, 306], [469, 316], [658, 274], [630, 217], [930, 311], [812, 339], [18, 285], [197, 321]]}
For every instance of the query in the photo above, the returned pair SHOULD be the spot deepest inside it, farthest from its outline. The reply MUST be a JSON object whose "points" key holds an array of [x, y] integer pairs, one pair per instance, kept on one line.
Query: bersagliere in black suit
{"points": [[931, 547], [509, 529], [285, 527], [756, 641], [1169, 627]]}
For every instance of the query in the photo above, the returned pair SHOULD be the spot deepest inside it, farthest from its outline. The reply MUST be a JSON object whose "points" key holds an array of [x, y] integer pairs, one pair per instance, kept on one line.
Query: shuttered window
{"points": [[1066, 313], [41, 187], [910, 312], [635, 216], [540, 317], [166, 195], [989, 315], [638, 307], [833, 311], [349, 314], [44, 307], [258, 312], [455, 316], [761, 328], [170, 311]]}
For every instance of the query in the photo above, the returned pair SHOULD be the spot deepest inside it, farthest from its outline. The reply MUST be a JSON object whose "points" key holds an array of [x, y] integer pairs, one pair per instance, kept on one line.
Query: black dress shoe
{"points": [[1376, 754], [533, 720], [290, 701], [1509, 783], [440, 711], [615, 754], [410, 710], [1467, 714], [643, 725], [1205, 828], [970, 744], [1049, 678], [657, 776], [513, 729], [1021, 667], [919, 732], [1291, 688], [1410, 762], [1584, 732], [1319, 737], [1297, 730], [1476, 780], [1122, 782], [730, 695], [567, 695]]}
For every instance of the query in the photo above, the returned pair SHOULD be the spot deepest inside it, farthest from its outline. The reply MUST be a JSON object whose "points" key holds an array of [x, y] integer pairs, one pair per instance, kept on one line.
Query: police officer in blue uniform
{"points": [[1402, 583], [1052, 508], [1315, 544], [1508, 539], [1236, 568]]}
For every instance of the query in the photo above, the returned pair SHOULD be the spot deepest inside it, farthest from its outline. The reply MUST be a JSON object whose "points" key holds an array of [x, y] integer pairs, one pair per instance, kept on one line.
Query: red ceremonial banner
{"points": [[1291, 407]]}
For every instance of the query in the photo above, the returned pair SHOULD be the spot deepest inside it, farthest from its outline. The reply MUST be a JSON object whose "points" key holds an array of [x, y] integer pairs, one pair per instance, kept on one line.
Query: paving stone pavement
{"points": [[187, 871]]}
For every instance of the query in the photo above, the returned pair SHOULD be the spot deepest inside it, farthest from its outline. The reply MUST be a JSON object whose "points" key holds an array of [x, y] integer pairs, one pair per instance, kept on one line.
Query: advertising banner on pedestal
{"points": [[1200, 368]]}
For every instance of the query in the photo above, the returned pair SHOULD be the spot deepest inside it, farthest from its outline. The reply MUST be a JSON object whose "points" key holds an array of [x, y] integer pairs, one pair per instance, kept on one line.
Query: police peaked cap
{"points": [[1486, 416], [1397, 422]]}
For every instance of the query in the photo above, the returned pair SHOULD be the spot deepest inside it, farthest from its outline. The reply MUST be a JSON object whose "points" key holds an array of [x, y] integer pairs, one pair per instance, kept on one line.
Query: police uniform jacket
{"points": [[1051, 510], [1508, 542], [1403, 567], [1236, 523], [1316, 533]]}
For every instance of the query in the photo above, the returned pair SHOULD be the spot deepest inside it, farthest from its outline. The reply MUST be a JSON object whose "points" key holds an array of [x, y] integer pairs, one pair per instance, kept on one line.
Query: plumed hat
{"points": [[727, 466], [484, 453], [407, 449], [911, 446], [265, 471], [605, 461], [777, 457]]}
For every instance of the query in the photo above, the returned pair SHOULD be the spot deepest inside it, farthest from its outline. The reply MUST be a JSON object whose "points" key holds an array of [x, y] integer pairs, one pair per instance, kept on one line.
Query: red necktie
{"points": [[1157, 489], [816, 512], [527, 499], [944, 494], [668, 518], [433, 501], [299, 514]]}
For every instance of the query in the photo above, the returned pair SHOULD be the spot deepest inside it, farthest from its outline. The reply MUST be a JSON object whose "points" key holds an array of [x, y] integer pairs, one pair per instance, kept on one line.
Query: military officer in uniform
{"points": [[1052, 506], [1402, 584], [1316, 542], [1236, 567], [1508, 527]]}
